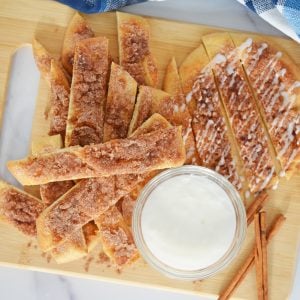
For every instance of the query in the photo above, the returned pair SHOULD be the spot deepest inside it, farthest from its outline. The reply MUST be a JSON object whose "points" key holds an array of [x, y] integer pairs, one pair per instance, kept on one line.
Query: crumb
{"points": [[49, 257], [103, 258], [87, 263]]}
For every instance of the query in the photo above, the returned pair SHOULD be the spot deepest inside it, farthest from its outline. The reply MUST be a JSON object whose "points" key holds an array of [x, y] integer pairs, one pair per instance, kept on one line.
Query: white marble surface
{"points": [[27, 285]]}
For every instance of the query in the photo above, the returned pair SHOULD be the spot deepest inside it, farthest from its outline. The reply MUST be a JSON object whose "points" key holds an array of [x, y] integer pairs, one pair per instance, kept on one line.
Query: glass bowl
{"points": [[240, 228]]}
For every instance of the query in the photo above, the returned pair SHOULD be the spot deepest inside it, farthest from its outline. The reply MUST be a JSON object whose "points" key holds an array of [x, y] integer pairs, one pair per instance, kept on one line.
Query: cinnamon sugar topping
{"points": [[88, 92], [117, 239], [276, 90], [84, 202], [59, 100], [135, 47], [51, 191], [20, 209], [244, 120], [212, 142], [120, 103]]}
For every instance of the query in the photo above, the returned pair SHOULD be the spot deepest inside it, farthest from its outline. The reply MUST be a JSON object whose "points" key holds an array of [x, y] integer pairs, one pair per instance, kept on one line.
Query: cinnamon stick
{"points": [[256, 206], [258, 257], [249, 262], [264, 254]]}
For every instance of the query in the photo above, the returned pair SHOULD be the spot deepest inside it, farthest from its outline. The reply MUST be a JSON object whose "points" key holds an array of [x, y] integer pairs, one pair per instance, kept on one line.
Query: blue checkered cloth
{"points": [[282, 14], [96, 6]]}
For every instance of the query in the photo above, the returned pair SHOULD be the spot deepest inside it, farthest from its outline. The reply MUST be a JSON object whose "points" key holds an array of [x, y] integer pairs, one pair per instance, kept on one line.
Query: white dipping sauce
{"points": [[188, 222]]}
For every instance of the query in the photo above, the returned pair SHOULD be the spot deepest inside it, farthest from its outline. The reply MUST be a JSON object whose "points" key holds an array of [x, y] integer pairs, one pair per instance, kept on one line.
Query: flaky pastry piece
{"points": [[243, 114], [75, 246], [50, 192], [88, 92], [179, 113], [153, 123], [19, 208], [91, 235], [42, 59], [59, 100], [116, 237], [211, 133], [58, 81], [119, 104], [155, 150], [84, 202], [173, 108], [134, 49], [77, 30], [275, 80], [150, 101]]}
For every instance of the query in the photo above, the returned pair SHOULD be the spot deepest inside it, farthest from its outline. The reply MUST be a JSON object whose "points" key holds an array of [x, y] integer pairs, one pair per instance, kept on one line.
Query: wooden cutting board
{"points": [[20, 20]]}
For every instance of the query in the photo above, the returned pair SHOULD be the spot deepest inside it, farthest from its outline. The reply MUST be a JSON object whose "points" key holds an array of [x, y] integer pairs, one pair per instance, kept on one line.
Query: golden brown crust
{"points": [[91, 235], [120, 103], [116, 238], [189, 70], [212, 140], [51, 191], [77, 30], [156, 150], [75, 247], [84, 202], [42, 59], [155, 122], [88, 92], [72, 249], [134, 49], [177, 111], [59, 100], [19, 208], [173, 108], [143, 108], [275, 80], [244, 117]]}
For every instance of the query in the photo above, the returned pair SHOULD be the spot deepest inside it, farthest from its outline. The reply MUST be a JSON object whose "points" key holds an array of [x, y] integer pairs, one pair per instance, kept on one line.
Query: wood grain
{"points": [[20, 20]]}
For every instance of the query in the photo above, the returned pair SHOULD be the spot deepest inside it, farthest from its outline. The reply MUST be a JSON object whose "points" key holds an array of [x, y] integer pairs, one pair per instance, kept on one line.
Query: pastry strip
{"points": [[155, 150], [134, 49], [209, 126], [75, 246], [119, 104], [180, 114], [84, 202], [242, 112], [117, 240], [275, 80], [59, 100], [42, 59], [19, 208], [77, 30], [88, 92]]}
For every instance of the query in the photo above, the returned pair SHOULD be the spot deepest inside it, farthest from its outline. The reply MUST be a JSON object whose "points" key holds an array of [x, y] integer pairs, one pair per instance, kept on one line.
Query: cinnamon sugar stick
{"points": [[263, 238], [249, 262], [256, 206], [258, 257]]}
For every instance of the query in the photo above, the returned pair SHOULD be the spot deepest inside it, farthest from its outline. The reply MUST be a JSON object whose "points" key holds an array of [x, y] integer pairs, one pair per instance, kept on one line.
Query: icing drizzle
{"points": [[209, 126], [276, 94]]}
